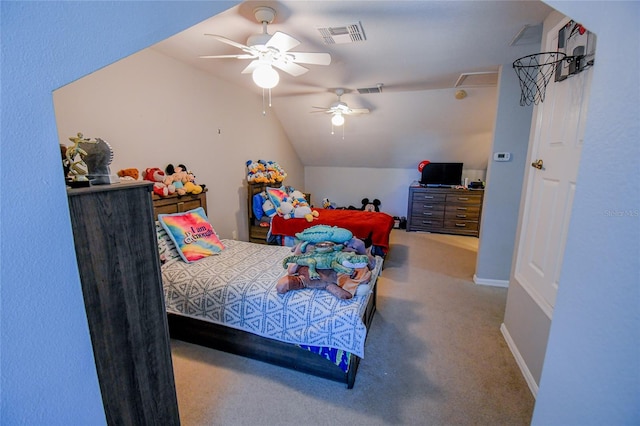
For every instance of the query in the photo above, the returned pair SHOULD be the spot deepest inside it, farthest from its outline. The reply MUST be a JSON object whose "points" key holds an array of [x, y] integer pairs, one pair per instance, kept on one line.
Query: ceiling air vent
{"points": [[477, 79], [365, 90], [342, 35]]}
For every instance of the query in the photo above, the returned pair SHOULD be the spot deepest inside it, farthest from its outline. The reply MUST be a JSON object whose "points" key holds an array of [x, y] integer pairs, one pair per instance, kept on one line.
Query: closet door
{"points": [[116, 249]]}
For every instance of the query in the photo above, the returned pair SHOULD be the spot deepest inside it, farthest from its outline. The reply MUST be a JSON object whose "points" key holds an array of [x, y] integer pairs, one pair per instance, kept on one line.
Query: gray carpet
{"points": [[434, 356]]}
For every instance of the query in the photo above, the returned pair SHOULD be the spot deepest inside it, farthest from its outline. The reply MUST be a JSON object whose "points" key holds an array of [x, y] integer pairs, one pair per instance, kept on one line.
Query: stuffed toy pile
{"points": [[343, 269], [182, 179], [173, 180], [262, 171], [285, 202]]}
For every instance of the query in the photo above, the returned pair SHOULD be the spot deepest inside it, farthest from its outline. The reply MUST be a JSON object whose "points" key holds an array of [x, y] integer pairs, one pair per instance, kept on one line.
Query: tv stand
{"points": [[444, 210]]}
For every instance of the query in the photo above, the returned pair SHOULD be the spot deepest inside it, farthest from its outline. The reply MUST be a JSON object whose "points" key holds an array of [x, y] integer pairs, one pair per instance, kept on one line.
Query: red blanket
{"points": [[373, 225]]}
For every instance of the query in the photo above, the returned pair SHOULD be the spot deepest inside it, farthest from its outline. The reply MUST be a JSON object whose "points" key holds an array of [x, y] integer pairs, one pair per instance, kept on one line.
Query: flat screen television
{"points": [[441, 174]]}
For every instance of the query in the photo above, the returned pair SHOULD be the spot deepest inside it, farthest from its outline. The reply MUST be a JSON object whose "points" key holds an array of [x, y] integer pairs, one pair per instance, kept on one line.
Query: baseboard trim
{"points": [[494, 283], [533, 386]]}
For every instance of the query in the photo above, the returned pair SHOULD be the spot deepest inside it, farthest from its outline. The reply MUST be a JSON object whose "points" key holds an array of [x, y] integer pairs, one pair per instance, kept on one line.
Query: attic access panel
{"points": [[477, 79]]}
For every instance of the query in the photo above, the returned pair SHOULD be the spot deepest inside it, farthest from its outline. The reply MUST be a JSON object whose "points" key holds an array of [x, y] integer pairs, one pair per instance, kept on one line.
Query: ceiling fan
{"points": [[339, 109], [268, 51]]}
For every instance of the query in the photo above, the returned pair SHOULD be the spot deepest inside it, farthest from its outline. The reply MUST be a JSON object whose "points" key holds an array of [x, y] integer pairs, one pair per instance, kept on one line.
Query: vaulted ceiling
{"points": [[417, 51]]}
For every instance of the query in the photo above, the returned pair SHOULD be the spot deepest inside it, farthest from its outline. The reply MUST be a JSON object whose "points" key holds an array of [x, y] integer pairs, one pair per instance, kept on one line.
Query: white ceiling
{"points": [[416, 49]]}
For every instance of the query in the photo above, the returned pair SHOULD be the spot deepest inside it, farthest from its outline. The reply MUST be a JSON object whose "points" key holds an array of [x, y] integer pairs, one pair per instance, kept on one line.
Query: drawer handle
{"points": [[463, 198], [461, 225], [428, 197], [427, 213], [461, 216], [427, 207], [461, 208], [426, 222]]}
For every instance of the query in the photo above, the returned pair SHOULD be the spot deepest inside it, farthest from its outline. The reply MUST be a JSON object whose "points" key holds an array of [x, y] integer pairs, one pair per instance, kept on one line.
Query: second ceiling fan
{"points": [[339, 109], [268, 51]]}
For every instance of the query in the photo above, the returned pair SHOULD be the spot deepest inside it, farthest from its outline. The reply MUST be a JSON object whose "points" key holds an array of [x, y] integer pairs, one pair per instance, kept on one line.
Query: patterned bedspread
{"points": [[237, 288]]}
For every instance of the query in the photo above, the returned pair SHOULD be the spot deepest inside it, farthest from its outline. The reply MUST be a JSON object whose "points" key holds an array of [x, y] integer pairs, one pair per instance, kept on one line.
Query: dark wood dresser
{"points": [[444, 210], [117, 254]]}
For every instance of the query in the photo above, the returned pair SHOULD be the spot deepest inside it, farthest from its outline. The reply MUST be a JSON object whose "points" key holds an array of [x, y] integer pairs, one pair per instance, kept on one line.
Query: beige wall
{"points": [[154, 111]]}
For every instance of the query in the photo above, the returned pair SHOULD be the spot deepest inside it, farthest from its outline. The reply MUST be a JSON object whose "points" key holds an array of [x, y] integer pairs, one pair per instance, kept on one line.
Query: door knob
{"points": [[537, 164]]}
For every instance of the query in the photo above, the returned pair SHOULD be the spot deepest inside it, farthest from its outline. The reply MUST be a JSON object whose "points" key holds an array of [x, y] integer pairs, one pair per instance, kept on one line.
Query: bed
{"points": [[228, 302], [372, 227]]}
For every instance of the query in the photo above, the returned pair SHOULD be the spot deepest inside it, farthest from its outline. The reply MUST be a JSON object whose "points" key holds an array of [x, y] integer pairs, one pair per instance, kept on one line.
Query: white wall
{"points": [[48, 370], [591, 373], [348, 186], [504, 179], [155, 111]]}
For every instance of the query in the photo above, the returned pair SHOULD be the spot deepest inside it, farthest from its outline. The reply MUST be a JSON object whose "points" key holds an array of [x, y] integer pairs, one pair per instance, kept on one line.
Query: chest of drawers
{"points": [[444, 210]]}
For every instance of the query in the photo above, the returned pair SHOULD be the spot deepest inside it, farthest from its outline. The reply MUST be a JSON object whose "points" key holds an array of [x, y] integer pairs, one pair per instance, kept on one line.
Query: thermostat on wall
{"points": [[501, 156]]}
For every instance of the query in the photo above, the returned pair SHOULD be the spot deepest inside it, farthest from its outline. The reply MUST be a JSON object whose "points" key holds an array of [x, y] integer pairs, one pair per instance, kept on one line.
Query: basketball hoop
{"points": [[534, 72]]}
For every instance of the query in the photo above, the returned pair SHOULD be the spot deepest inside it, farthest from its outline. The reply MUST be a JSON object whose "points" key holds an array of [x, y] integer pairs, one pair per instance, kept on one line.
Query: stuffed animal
{"points": [[338, 260], [305, 212], [321, 233], [373, 206], [129, 174], [157, 176], [326, 204], [192, 188], [309, 271], [183, 179]]}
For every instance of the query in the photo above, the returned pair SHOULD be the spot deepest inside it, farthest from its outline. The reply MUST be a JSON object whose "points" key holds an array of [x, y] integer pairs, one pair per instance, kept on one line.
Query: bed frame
{"points": [[246, 344]]}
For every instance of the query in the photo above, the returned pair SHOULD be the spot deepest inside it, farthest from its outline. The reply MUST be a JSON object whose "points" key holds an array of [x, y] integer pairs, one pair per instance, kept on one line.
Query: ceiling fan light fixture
{"points": [[337, 120], [265, 76]]}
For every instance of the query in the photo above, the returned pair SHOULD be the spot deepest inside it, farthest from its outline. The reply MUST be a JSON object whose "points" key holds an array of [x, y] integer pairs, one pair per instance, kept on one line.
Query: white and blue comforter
{"points": [[237, 288]]}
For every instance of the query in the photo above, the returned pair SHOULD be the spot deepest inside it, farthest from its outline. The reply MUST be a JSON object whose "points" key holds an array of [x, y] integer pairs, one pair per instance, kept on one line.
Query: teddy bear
{"points": [[157, 176], [373, 206], [129, 174]]}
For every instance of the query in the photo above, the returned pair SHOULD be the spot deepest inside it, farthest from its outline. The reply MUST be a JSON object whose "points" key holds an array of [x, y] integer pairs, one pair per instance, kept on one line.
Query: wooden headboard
{"points": [[178, 203]]}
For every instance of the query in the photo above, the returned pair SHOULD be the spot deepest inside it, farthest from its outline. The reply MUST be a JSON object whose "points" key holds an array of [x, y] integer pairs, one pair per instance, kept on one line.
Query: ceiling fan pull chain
{"points": [[269, 97], [264, 110]]}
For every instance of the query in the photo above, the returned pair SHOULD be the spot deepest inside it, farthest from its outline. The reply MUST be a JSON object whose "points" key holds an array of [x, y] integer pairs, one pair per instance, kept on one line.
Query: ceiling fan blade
{"points": [[281, 41], [310, 58], [249, 68], [358, 111], [290, 67], [247, 56], [231, 42]]}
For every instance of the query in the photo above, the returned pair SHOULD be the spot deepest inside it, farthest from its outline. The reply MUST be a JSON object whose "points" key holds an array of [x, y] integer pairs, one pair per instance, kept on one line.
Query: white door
{"points": [[557, 137]]}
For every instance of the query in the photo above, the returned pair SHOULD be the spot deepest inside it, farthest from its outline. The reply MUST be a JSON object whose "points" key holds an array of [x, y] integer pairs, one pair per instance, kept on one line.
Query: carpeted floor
{"points": [[434, 356]]}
